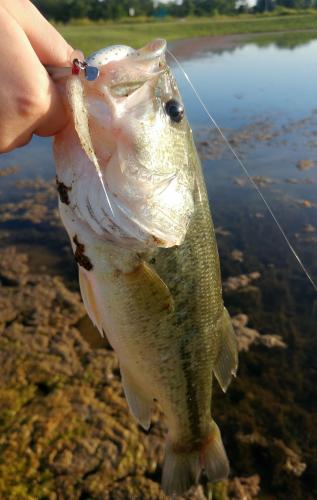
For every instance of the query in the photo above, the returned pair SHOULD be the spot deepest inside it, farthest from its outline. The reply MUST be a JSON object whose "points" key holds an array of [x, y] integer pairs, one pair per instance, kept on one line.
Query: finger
{"points": [[54, 117], [49, 45], [28, 97]]}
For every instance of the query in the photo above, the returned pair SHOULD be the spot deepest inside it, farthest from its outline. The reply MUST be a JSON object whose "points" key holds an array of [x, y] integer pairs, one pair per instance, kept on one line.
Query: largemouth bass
{"points": [[134, 203]]}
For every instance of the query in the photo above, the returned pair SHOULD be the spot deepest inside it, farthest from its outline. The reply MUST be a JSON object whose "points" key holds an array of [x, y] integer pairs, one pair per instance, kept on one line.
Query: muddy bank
{"points": [[65, 429]]}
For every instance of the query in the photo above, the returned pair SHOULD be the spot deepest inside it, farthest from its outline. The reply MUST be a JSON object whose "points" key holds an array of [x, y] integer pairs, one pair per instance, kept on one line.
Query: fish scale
{"points": [[153, 283]]}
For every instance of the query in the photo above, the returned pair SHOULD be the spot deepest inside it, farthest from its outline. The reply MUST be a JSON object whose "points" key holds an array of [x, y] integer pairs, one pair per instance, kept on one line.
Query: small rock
{"points": [[248, 336], [237, 255], [253, 438], [13, 274], [309, 228], [260, 180], [38, 206], [4, 172], [240, 320], [263, 181], [306, 203], [305, 164], [272, 341], [234, 283], [221, 231], [244, 488], [293, 463], [291, 180], [240, 181]]}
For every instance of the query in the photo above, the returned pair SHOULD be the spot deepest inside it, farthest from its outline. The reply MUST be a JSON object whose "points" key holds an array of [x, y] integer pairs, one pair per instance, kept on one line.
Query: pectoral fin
{"points": [[139, 404], [89, 300], [227, 361], [149, 289]]}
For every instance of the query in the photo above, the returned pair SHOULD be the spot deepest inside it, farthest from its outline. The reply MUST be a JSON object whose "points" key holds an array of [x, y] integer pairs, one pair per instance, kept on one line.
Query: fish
{"points": [[133, 200]]}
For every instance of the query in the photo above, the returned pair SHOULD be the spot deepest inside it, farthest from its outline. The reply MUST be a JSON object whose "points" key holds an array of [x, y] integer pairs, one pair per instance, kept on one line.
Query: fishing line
{"points": [[245, 170]]}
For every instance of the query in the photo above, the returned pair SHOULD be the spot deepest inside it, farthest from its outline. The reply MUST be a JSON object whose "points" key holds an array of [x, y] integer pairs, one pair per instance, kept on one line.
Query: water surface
{"points": [[264, 98]]}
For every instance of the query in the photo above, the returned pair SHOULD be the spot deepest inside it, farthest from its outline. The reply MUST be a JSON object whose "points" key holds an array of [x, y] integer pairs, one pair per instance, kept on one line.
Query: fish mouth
{"points": [[123, 69], [125, 54]]}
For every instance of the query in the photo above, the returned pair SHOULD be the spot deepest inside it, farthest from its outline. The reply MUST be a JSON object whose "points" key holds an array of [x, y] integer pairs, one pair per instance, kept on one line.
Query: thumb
{"points": [[50, 48]]}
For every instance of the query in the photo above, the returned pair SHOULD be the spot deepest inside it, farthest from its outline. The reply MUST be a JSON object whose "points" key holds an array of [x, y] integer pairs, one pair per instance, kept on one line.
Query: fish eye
{"points": [[175, 110]]}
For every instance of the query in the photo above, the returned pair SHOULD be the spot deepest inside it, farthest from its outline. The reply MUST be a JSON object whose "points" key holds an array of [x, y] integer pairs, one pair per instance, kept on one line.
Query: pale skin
{"points": [[29, 100]]}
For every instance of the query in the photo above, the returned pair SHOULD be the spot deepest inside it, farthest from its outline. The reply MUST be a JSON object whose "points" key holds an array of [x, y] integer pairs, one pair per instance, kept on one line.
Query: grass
{"points": [[92, 36]]}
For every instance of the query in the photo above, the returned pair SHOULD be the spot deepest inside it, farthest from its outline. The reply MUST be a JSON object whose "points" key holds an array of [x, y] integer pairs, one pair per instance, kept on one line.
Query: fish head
{"points": [[141, 141]]}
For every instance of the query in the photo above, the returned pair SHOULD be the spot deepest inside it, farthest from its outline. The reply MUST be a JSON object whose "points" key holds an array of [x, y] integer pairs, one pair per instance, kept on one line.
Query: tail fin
{"points": [[182, 470]]}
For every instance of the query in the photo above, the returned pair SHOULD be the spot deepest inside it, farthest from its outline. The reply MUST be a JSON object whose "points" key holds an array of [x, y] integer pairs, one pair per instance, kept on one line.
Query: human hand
{"points": [[29, 99]]}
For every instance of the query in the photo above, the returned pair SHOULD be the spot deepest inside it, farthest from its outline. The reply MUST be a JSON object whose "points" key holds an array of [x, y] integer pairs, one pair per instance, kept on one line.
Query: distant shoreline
{"points": [[93, 36], [184, 48]]}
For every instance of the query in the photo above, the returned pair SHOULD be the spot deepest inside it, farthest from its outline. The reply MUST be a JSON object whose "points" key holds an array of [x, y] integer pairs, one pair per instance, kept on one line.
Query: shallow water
{"points": [[265, 100], [253, 81], [268, 94]]}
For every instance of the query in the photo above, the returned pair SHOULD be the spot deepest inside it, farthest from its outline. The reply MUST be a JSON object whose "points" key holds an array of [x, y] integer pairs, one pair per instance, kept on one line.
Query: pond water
{"points": [[251, 81], [265, 100]]}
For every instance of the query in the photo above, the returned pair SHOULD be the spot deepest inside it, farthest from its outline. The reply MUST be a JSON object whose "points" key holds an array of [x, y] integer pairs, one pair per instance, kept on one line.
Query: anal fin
{"points": [[180, 471], [227, 361], [140, 405]]}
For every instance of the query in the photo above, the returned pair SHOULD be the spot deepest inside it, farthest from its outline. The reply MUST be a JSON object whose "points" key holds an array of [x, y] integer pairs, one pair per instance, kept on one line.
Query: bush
{"points": [[285, 11]]}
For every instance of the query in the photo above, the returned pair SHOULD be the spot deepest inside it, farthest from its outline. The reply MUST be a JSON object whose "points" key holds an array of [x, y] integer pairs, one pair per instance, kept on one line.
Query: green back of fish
{"points": [[192, 274], [166, 314]]}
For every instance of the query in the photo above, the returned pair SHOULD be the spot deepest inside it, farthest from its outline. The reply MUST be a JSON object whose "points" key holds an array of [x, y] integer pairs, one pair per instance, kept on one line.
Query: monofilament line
{"points": [[245, 170]]}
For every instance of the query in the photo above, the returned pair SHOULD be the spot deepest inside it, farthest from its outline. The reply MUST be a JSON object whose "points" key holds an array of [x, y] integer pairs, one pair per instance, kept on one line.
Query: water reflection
{"points": [[251, 82]]}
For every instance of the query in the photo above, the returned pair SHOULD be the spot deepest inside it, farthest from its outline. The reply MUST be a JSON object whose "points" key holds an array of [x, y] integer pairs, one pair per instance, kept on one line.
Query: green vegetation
{"points": [[89, 36], [65, 10]]}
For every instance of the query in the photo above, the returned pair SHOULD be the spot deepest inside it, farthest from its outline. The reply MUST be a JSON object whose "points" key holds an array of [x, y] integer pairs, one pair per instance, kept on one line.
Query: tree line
{"points": [[65, 10]]}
